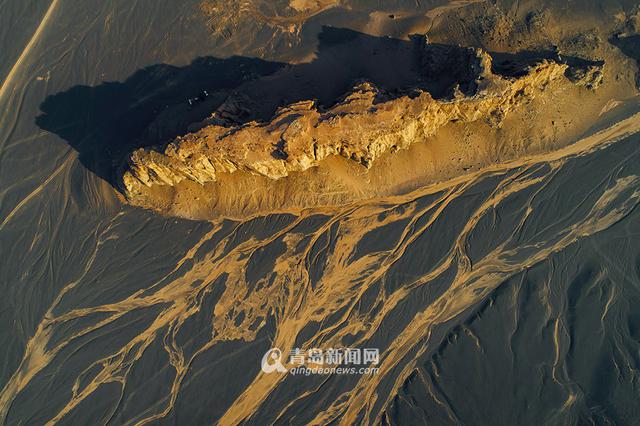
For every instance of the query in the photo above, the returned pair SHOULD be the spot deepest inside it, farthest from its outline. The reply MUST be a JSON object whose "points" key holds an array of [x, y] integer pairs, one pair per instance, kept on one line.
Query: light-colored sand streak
{"points": [[7, 84], [6, 90], [293, 299], [37, 190]]}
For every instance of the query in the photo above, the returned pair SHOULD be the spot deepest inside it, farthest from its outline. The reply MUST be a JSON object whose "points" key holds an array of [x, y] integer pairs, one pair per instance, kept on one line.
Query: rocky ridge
{"points": [[366, 124]]}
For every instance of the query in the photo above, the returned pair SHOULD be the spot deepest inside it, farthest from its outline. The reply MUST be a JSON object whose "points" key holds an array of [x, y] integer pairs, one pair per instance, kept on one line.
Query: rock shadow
{"points": [[630, 46], [106, 122]]}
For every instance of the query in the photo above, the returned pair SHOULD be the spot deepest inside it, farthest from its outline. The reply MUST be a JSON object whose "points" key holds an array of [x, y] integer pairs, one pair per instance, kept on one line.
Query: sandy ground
{"points": [[506, 295]]}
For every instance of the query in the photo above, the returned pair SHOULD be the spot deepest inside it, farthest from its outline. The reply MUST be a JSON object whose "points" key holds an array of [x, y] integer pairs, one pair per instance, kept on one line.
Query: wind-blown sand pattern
{"points": [[505, 291], [321, 275], [6, 84]]}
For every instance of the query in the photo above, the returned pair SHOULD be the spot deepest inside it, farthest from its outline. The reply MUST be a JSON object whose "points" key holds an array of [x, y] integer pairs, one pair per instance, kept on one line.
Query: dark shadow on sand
{"points": [[630, 46], [106, 122]]}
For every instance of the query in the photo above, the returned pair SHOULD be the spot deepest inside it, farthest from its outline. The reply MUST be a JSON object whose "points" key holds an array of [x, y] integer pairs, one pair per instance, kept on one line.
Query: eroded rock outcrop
{"points": [[362, 127]]}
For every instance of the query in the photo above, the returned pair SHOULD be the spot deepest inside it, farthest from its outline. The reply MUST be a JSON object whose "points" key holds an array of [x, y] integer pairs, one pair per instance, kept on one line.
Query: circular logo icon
{"points": [[272, 361]]}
